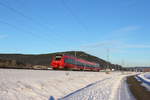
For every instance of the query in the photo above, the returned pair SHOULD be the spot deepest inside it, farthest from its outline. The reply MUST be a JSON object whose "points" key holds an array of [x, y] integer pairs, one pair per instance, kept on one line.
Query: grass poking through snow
{"points": [[139, 92]]}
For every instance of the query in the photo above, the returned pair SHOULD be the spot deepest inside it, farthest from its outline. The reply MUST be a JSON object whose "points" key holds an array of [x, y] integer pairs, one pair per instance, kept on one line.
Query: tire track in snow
{"points": [[123, 92], [99, 90]]}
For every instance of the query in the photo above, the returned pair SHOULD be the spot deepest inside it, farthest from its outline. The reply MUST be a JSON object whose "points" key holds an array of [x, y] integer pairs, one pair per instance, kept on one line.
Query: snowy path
{"points": [[123, 92], [96, 91]]}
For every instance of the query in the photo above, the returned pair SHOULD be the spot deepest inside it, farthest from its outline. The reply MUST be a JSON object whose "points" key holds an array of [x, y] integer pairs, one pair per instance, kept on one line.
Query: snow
{"points": [[147, 75], [52, 85], [137, 78], [145, 79], [146, 86], [123, 92]]}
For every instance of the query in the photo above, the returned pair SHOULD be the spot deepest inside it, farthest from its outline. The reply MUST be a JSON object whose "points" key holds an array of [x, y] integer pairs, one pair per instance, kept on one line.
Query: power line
{"points": [[28, 18], [108, 54], [24, 15], [108, 58], [21, 14], [20, 29], [16, 11], [74, 15]]}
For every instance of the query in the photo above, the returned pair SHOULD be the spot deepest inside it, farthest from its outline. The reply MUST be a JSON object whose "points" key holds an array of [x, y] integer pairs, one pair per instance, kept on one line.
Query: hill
{"points": [[28, 61]]}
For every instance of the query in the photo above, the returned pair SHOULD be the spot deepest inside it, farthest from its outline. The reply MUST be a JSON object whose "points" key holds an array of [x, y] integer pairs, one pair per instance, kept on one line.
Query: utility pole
{"points": [[75, 53], [122, 65], [108, 57], [122, 62], [108, 54]]}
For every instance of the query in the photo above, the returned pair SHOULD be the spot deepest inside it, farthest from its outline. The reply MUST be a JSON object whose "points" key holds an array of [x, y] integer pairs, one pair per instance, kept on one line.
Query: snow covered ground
{"points": [[112, 88], [64, 85], [145, 79], [123, 92], [147, 75]]}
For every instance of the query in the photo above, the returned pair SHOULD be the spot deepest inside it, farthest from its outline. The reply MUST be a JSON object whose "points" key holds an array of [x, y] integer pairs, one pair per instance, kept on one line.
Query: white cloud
{"points": [[3, 36], [116, 46], [126, 29], [122, 33], [136, 46], [100, 44]]}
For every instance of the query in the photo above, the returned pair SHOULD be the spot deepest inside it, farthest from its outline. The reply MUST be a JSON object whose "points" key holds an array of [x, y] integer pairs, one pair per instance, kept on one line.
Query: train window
{"points": [[67, 60], [58, 57], [74, 61], [97, 65], [91, 66], [79, 63], [87, 65], [70, 61]]}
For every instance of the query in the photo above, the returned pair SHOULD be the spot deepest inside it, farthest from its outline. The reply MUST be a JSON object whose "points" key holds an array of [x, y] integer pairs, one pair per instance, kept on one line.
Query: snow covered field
{"points": [[64, 85]]}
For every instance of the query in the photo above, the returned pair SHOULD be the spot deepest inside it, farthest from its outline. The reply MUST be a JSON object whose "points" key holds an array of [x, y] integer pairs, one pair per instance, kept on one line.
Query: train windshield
{"points": [[58, 57]]}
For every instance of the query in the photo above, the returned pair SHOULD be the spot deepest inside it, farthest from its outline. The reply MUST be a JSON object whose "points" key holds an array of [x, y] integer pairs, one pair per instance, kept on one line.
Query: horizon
{"points": [[116, 31], [70, 51]]}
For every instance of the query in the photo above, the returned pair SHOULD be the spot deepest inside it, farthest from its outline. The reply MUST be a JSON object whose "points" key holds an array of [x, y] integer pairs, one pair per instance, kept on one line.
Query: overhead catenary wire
{"points": [[38, 23], [23, 30], [74, 15], [31, 19], [22, 14], [15, 10]]}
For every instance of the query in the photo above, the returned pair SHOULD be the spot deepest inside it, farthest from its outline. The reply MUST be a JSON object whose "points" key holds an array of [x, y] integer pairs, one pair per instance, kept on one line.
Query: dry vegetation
{"points": [[139, 92]]}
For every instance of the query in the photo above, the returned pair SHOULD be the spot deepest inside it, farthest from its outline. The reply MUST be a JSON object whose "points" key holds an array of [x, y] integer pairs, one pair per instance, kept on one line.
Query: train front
{"points": [[57, 62]]}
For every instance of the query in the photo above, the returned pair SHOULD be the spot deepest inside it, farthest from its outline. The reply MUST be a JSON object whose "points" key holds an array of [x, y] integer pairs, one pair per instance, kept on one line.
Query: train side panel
{"points": [[73, 63]]}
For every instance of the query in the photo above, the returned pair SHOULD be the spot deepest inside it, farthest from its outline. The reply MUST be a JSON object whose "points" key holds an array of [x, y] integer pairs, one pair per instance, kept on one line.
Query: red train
{"points": [[72, 63]]}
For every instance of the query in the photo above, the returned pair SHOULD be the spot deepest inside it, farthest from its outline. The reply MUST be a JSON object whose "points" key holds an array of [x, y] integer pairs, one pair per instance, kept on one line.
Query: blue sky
{"points": [[93, 26]]}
